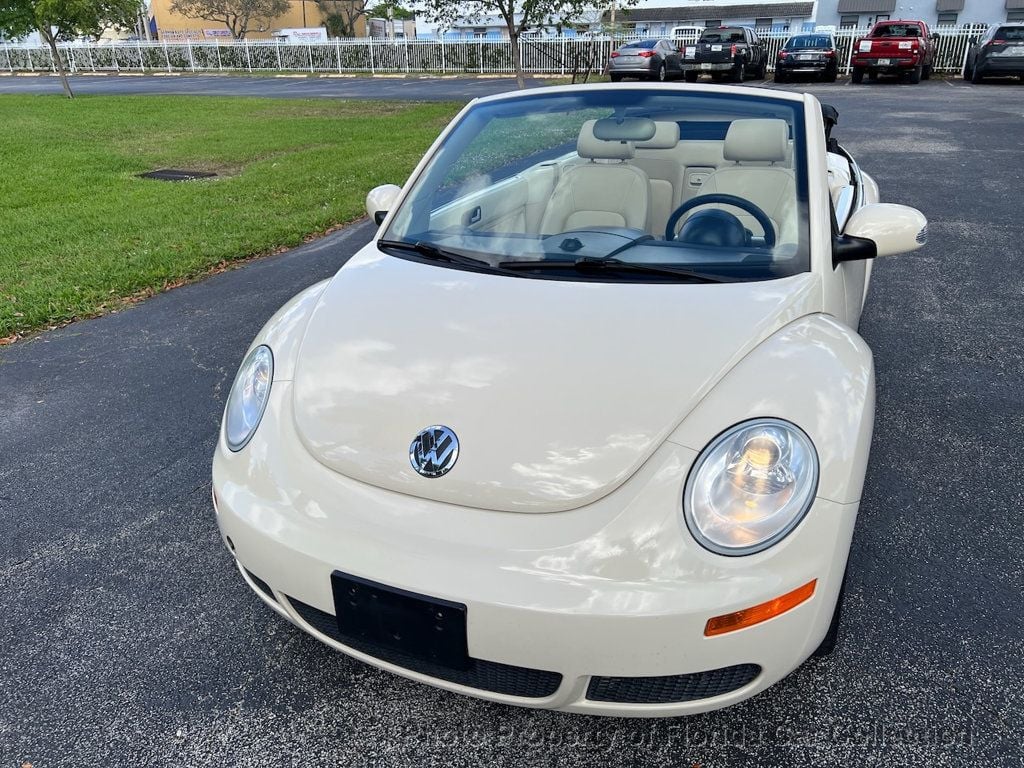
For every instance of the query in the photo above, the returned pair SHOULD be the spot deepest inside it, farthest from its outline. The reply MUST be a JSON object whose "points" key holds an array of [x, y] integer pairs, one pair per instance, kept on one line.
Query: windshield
{"points": [[541, 186], [723, 36], [809, 41], [898, 30]]}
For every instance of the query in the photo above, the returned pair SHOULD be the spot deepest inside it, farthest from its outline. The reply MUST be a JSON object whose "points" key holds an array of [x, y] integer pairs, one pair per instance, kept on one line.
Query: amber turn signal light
{"points": [[719, 625]]}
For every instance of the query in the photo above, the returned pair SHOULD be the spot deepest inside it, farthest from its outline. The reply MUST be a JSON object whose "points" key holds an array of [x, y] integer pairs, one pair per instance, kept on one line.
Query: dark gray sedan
{"points": [[814, 54], [647, 60]]}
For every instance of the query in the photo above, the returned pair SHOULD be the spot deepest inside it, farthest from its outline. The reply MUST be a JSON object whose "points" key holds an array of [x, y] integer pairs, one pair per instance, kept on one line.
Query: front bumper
{"points": [[571, 608]]}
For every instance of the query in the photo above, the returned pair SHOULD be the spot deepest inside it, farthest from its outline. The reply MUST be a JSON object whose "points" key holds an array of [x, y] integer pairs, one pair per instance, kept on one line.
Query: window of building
{"points": [[1015, 15], [762, 23], [946, 20], [713, 23], [849, 21], [881, 17]]}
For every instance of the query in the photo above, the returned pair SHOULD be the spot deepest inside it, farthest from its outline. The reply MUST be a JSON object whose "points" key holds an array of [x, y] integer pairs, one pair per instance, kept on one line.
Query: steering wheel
{"points": [[760, 216]]}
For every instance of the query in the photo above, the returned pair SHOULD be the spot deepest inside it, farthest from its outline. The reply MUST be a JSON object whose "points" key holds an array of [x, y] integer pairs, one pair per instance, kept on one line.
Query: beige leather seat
{"points": [[757, 150], [656, 158], [605, 191]]}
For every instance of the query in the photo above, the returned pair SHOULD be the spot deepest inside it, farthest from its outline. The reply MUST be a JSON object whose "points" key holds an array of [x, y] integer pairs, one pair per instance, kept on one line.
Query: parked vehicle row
{"points": [[905, 49]]}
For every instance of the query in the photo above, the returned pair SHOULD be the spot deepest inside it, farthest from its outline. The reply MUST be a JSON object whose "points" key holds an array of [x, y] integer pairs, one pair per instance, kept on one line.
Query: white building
{"points": [[658, 17], [937, 13], [659, 20]]}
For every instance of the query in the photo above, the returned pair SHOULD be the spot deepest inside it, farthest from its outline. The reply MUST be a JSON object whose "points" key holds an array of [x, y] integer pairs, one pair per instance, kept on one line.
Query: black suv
{"points": [[810, 54], [736, 52], [999, 53]]}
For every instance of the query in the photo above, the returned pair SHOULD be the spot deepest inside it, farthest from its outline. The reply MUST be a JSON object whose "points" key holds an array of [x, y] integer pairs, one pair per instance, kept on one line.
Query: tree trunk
{"points": [[517, 62], [57, 61]]}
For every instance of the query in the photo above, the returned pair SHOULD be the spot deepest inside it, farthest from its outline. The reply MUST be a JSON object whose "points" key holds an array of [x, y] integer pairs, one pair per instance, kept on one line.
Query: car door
{"points": [[754, 54], [671, 55], [855, 275]]}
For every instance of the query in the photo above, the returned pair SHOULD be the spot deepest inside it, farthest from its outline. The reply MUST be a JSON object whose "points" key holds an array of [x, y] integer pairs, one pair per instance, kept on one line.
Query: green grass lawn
{"points": [[79, 233]]}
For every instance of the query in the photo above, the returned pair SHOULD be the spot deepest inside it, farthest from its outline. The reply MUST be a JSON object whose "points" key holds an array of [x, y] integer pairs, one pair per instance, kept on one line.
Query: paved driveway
{"points": [[129, 639], [292, 87]]}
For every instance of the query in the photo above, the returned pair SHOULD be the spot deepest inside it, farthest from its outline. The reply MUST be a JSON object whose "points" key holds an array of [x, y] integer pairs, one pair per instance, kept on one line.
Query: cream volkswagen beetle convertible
{"points": [[585, 426]]}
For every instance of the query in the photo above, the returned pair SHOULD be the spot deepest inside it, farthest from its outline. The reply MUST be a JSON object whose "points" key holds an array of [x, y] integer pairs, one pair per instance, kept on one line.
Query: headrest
{"points": [[756, 140], [589, 146], [666, 136]]}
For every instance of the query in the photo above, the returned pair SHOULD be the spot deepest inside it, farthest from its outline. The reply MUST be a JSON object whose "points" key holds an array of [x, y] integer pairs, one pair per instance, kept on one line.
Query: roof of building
{"points": [[708, 11], [866, 6]]}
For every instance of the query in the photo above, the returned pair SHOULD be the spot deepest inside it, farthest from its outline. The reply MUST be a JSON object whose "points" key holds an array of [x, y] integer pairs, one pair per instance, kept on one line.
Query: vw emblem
{"points": [[434, 450]]}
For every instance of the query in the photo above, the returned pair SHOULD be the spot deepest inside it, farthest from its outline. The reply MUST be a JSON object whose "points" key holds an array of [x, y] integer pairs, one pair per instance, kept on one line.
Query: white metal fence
{"points": [[561, 56]]}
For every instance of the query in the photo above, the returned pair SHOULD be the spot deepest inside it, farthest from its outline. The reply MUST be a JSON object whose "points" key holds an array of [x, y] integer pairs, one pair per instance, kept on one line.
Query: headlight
{"points": [[751, 486], [248, 397]]}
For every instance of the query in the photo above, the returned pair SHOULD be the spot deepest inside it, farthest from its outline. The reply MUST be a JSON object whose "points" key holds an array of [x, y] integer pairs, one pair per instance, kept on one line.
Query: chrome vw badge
{"points": [[434, 451]]}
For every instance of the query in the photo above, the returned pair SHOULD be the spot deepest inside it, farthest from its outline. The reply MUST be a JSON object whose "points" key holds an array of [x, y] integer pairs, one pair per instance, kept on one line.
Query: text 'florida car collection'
{"points": [[585, 426]]}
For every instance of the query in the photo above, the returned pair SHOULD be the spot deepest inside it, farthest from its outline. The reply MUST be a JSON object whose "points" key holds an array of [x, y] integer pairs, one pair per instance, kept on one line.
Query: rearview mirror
{"points": [[624, 129], [880, 229], [380, 200]]}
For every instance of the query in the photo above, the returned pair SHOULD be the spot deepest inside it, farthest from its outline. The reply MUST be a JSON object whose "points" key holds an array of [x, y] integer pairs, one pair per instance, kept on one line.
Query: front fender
{"points": [[816, 373], [284, 331]]}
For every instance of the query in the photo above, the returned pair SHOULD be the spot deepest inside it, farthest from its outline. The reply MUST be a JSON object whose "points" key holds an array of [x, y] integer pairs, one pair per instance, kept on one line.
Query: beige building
{"points": [[173, 27]]}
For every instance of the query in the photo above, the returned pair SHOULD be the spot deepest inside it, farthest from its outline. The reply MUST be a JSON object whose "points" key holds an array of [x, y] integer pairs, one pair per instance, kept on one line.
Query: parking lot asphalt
{"points": [[129, 638], [289, 86]]}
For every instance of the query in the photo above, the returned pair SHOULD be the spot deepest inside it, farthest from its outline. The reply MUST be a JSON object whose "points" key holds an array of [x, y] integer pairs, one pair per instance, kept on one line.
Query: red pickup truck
{"points": [[904, 48]]}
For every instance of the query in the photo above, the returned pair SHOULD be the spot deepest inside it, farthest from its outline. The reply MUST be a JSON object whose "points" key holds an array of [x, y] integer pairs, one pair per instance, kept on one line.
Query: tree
{"points": [[391, 9], [518, 17], [236, 15], [57, 20], [341, 16]]}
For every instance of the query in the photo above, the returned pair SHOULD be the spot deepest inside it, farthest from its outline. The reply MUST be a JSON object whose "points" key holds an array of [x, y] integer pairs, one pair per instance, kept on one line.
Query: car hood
{"points": [[557, 391]]}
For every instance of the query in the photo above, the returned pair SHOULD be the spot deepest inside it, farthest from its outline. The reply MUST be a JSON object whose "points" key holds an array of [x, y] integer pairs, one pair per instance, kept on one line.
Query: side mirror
{"points": [[880, 229], [380, 200]]}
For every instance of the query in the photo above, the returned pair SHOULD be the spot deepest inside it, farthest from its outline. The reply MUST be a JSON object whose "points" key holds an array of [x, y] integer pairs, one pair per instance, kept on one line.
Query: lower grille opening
{"points": [[671, 689], [261, 585], [483, 675]]}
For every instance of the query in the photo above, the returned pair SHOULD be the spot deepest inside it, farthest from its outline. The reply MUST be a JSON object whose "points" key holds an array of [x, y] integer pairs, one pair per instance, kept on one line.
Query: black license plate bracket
{"points": [[423, 627]]}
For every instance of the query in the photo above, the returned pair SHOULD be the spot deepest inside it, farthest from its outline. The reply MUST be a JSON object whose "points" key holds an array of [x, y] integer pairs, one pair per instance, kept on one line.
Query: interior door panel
{"points": [[498, 208], [514, 205]]}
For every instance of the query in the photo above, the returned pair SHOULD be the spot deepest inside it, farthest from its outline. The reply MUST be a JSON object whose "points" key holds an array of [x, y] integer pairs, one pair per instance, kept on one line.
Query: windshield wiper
{"points": [[587, 263], [435, 253]]}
